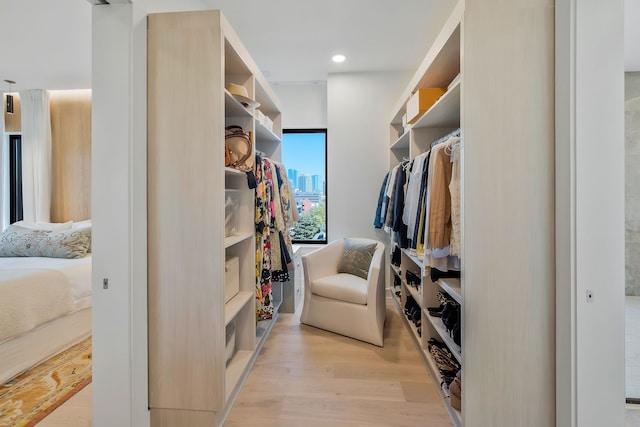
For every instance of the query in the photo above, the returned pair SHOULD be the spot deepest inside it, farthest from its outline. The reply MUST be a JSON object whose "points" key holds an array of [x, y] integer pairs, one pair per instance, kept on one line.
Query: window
{"points": [[304, 154]]}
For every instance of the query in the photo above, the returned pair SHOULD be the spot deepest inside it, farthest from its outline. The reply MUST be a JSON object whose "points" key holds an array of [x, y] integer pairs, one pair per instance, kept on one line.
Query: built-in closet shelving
{"points": [[440, 68], [192, 57]]}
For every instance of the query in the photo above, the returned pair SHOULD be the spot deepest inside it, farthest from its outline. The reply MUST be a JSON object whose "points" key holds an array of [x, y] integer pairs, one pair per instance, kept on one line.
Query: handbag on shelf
{"points": [[239, 146]]}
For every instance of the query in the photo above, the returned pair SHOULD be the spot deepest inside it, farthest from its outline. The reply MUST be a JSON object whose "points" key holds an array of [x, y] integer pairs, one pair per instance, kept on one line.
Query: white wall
{"points": [[359, 106], [590, 212], [111, 212], [599, 219], [304, 105]]}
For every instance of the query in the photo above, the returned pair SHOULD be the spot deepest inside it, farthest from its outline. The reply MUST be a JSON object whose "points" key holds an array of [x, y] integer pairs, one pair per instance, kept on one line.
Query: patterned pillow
{"points": [[86, 231], [17, 241], [356, 258], [85, 227]]}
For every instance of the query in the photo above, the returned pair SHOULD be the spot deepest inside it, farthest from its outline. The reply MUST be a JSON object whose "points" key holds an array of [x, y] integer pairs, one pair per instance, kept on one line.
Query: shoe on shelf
{"points": [[412, 278], [435, 311], [455, 392]]}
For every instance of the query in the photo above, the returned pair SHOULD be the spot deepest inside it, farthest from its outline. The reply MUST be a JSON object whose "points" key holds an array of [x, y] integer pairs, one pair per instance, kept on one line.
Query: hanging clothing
{"points": [[455, 192], [398, 208], [415, 205], [378, 220], [390, 197], [439, 199], [418, 236], [275, 214], [263, 220], [410, 213]]}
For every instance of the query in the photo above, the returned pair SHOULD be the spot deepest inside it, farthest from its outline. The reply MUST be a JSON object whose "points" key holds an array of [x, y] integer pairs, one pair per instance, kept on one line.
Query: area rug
{"points": [[28, 398]]}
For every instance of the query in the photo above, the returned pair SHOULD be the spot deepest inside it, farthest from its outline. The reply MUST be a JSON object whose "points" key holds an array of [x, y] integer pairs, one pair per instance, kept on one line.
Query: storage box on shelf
{"points": [[421, 101], [202, 333], [231, 278], [231, 200]]}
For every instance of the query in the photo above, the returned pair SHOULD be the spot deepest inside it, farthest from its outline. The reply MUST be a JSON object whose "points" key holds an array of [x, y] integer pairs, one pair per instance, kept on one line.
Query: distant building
{"points": [[304, 183], [293, 177], [315, 183]]}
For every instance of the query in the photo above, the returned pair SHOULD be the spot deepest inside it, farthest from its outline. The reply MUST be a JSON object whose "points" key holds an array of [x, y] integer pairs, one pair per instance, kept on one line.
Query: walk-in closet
{"points": [[490, 146]]}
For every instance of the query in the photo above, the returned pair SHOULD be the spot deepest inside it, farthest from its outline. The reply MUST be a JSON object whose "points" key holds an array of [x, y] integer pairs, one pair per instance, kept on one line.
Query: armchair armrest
{"points": [[376, 275], [322, 262]]}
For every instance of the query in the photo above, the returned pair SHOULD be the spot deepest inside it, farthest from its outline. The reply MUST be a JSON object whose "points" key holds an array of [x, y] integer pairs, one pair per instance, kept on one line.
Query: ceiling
{"points": [[290, 40]]}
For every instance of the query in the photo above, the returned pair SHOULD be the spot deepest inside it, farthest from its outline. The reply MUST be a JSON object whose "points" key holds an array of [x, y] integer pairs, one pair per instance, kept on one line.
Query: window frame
{"points": [[326, 179]]}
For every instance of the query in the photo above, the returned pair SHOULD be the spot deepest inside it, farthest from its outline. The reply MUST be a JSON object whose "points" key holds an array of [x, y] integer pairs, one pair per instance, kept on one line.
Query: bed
{"points": [[45, 301]]}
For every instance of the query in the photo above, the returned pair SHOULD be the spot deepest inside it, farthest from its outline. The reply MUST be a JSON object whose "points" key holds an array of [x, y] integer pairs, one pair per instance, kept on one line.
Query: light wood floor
{"points": [[74, 412], [305, 376], [309, 377]]}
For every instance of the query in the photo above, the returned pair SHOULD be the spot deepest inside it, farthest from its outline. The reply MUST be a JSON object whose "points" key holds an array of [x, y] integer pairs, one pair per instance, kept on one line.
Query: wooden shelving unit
{"points": [[192, 57], [440, 68]]}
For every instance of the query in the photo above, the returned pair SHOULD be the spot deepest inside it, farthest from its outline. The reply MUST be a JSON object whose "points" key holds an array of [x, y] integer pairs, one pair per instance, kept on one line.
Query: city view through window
{"points": [[304, 153]]}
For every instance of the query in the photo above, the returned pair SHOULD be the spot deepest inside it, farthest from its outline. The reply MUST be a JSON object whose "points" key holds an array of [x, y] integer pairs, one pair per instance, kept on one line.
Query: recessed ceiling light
{"points": [[339, 58]]}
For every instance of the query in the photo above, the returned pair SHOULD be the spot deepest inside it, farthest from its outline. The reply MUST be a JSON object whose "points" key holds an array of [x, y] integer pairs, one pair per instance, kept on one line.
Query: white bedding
{"points": [[35, 290]]}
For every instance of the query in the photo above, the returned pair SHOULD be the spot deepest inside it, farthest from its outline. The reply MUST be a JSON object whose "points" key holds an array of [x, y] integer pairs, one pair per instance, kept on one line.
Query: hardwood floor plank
{"points": [[74, 412]]}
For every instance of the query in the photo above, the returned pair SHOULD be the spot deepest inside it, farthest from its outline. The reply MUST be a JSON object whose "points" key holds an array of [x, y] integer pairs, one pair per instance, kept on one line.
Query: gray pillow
{"points": [[17, 241], [356, 258]]}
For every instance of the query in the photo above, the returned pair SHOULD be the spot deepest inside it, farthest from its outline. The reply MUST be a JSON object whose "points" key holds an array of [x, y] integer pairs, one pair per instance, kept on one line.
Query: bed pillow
{"points": [[85, 228], [18, 241], [47, 226], [81, 224], [356, 257]]}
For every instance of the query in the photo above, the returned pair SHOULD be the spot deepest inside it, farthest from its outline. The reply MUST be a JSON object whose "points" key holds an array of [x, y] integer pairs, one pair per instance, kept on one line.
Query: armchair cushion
{"points": [[343, 287], [356, 258]]}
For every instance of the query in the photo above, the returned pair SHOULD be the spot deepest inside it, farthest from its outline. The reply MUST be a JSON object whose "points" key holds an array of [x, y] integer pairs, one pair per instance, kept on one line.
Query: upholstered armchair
{"points": [[344, 290]]}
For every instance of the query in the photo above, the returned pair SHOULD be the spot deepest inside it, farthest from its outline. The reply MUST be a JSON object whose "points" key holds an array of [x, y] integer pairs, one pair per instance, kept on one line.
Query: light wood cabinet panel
{"points": [[185, 237], [70, 155]]}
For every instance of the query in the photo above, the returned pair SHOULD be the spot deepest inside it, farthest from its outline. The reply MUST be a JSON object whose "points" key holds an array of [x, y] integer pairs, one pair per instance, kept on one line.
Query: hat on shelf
{"points": [[240, 93]]}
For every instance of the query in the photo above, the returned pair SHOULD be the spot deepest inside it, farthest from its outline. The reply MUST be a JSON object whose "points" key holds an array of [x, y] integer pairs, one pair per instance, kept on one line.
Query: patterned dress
{"points": [[264, 222]]}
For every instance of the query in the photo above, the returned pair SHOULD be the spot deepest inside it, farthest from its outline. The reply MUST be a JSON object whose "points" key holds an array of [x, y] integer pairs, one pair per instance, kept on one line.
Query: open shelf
{"points": [[413, 292], [236, 238], [436, 323], [233, 108], [396, 270], [265, 135], [452, 287], [235, 304], [235, 370], [417, 261], [233, 172], [456, 416], [444, 113], [402, 142]]}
